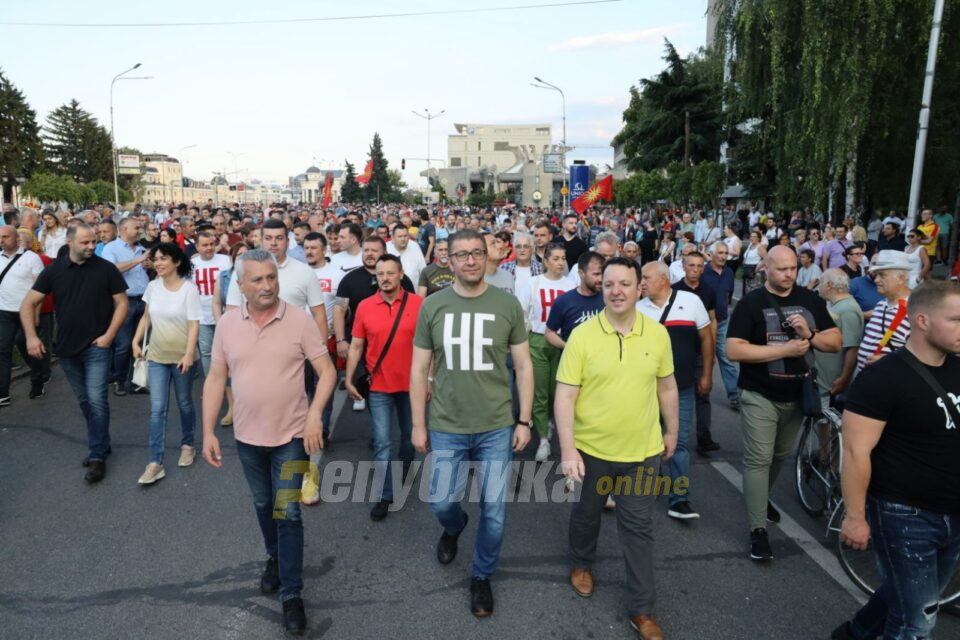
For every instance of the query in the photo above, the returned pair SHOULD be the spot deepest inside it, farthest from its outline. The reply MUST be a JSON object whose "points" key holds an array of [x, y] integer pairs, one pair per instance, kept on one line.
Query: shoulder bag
{"points": [[809, 393], [141, 369], [362, 379]]}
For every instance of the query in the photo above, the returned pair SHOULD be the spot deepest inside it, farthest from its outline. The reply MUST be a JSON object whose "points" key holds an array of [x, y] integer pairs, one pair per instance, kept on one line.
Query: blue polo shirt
{"points": [[722, 284], [136, 278], [864, 291]]}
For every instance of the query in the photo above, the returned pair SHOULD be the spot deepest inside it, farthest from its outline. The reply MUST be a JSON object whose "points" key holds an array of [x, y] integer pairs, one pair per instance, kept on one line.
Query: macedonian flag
{"points": [[327, 191], [364, 178], [602, 190]]}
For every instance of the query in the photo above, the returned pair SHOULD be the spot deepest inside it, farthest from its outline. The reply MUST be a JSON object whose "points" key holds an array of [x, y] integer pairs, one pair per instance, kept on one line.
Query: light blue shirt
{"points": [[296, 252], [136, 278]]}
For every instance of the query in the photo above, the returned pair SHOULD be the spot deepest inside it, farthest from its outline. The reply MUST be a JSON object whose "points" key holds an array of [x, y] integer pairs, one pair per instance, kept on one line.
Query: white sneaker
{"points": [[359, 405], [187, 455], [152, 473], [313, 498], [543, 451], [610, 505]]}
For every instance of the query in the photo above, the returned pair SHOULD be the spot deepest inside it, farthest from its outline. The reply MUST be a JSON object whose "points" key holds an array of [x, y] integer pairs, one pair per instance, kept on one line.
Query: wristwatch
{"points": [[525, 423]]}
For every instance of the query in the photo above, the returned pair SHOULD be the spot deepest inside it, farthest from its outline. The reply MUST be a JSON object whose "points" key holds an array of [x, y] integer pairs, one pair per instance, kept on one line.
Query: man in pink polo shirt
{"points": [[262, 346]]}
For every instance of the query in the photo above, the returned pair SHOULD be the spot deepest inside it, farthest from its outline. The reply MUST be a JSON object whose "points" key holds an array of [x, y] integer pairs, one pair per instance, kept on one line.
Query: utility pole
{"points": [[543, 84], [428, 117], [113, 143]]}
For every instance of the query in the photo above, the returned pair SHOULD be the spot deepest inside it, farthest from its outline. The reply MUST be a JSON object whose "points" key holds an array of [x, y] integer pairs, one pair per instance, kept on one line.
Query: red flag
{"points": [[364, 178], [602, 190], [327, 191]]}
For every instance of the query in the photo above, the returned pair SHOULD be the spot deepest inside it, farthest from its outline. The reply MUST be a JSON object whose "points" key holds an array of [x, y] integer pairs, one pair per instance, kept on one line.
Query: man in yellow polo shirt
{"points": [[931, 230], [615, 382]]}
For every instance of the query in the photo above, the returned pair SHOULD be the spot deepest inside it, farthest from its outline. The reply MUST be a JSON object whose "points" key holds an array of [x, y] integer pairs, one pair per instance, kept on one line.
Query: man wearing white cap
{"points": [[888, 327]]}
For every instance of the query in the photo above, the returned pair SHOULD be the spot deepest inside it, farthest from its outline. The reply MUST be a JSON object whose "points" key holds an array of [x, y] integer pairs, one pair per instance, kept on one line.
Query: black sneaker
{"points": [[760, 545], [706, 444], [481, 597], [406, 472], [270, 580], [37, 390], [380, 511], [294, 617], [682, 511], [842, 632], [772, 514], [118, 389], [5, 402], [447, 546]]}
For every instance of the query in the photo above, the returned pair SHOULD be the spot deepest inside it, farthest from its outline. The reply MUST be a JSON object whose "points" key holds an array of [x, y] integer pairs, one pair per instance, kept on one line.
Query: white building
{"points": [[308, 186]]}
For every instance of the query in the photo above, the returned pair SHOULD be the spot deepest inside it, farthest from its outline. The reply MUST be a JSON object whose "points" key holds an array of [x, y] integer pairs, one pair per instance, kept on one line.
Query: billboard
{"points": [[579, 180], [128, 163], [553, 163]]}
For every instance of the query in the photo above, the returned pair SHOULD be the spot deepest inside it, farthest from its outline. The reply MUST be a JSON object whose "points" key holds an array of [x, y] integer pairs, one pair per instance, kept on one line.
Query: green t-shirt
{"points": [[943, 220], [470, 339], [435, 277], [849, 319]]}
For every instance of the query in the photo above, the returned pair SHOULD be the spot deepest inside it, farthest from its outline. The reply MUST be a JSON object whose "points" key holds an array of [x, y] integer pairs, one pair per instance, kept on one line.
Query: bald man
{"points": [[772, 334]]}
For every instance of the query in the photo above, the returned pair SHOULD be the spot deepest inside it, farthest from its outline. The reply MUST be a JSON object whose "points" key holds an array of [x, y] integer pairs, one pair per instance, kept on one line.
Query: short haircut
{"points": [[570, 215], [620, 261], [693, 254], [542, 225], [72, 229], [607, 237], [464, 236], [854, 247], [836, 278], [123, 223], [353, 229], [583, 262], [254, 255], [273, 223], [301, 225], [316, 235], [716, 245], [204, 233], [398, 227], [333, 227], [389, 257], [173, 251], [810, 254], [108, 222], [929, 297], [522, 235], [375, 240]]}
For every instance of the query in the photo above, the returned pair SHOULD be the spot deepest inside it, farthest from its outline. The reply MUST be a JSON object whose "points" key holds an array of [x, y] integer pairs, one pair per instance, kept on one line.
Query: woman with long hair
{"points": [[734, 247], [53, 235], [753, 256], [168, 235], [172, 315], [919, 258]]}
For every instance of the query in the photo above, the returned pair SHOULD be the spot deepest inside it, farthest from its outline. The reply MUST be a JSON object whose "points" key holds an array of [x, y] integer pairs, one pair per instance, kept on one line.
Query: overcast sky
{"points": [[289, 95]]}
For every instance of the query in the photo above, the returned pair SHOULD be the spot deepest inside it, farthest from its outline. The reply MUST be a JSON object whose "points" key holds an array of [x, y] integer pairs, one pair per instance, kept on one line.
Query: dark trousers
{"points": [[11, 333], [702, 404], [634, 524], [122, 368]]}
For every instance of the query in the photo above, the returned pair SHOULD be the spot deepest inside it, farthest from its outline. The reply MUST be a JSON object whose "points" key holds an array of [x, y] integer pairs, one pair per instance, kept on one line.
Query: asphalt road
{"points": [[182, 558]]}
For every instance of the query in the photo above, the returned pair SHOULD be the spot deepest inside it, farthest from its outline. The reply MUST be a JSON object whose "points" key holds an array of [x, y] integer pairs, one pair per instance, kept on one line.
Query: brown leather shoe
{"points": [[582, 582], [647, 627]]}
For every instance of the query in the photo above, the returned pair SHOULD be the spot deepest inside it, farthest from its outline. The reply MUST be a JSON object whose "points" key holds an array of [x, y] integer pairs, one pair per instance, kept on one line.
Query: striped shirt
{"points": [[880, 321]]}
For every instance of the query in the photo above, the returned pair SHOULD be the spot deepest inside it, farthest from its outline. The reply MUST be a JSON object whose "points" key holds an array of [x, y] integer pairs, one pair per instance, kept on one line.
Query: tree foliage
{"points": [[654, 131], [351, 191], [77, 145], [21, 152], [52, 188], [380, 188]]}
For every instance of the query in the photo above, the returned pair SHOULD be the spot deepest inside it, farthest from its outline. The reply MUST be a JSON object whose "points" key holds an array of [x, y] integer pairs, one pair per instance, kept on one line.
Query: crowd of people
{"points": [[464, 331]]}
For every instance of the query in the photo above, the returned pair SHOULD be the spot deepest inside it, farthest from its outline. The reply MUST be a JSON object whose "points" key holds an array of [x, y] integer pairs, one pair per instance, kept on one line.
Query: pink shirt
{"points": [[266, 368]]}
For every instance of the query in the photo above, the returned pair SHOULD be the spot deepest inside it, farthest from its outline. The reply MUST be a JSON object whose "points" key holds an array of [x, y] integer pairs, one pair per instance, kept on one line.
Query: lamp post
{"points": [[428, 117], [236, 172], [543, 84], [113, 144]]}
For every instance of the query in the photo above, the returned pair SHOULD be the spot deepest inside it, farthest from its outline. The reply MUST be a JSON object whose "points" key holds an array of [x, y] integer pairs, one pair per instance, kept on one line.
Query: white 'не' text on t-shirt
{"points": [[205, 276]]}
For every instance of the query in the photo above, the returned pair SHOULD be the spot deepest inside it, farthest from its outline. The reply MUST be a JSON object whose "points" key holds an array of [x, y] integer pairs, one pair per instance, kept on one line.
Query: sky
{"points": [[269, 100]]}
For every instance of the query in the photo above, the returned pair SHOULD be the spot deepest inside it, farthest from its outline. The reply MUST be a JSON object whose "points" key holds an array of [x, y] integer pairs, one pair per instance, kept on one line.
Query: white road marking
{"points": [[826, 560]]}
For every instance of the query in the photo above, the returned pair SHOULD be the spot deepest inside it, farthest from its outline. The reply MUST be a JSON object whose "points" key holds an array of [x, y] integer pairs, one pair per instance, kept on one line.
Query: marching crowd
{"points": [[465, 333]]}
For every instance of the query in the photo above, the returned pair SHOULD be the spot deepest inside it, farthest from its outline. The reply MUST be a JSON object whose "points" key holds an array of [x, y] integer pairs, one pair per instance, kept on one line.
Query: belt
{"points": [[136, 297]]}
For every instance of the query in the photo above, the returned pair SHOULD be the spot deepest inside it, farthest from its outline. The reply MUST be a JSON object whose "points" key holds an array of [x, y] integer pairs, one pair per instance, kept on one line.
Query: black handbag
{"points": [[362, 379], [809, 391]]}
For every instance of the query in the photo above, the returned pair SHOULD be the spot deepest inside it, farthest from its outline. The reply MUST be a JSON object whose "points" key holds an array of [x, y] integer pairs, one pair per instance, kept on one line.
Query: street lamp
{"points": [[543, 84], [428, 117], [113, 144], [236, 172]]}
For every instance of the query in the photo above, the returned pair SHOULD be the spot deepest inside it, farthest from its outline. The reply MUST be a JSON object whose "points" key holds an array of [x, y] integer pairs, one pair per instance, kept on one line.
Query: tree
{"points": [[48, 187], [21, 152], [396, 181], [707, 182], [351, 191], [77, 145], [103, 192], [654, 131], [379, 188]]}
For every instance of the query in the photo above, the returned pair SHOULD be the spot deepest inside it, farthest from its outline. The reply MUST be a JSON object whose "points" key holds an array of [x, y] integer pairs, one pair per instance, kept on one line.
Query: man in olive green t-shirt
{"points": [[466, 331]]}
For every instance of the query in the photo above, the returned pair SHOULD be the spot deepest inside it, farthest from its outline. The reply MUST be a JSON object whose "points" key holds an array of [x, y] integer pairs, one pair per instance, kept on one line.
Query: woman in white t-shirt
{"points": [[53, 235], [753, 256], [537, 297], [172, 315]]}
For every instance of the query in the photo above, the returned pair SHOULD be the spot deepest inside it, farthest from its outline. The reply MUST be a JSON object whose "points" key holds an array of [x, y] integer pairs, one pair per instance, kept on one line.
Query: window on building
{"points": [[455, 162], [543, 130], [501, 146], [478, 161], [478, 145]]}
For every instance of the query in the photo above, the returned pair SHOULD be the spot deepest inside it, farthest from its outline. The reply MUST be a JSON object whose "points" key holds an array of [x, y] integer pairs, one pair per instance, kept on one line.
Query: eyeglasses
{"points": [[518, 247], [476, 254]]}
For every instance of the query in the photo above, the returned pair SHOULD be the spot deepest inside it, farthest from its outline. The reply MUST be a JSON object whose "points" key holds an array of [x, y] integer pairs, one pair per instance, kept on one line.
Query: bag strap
{"points": [[927, 377], [783, 321], [666, 309], [393, 332], [10, 264]]}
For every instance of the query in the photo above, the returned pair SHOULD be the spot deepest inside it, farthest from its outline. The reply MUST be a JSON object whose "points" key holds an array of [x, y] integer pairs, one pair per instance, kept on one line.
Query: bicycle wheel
{"points": [[861, 566], [817, 466]]}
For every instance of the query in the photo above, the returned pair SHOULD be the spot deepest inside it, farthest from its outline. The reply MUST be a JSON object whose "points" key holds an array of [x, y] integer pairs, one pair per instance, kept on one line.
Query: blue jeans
{"points": [[917, 553], [491, 449], [383, 407], [205, 344], [160, 375], [272, 484], [679, 464], [729, 371], [88, 373], [122, 369]]}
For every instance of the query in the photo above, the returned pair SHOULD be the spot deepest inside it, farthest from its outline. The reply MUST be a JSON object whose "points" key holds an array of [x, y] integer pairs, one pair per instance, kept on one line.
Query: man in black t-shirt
{"points": [[91, 305], [901, 476], [774, 355], [572, 243]]}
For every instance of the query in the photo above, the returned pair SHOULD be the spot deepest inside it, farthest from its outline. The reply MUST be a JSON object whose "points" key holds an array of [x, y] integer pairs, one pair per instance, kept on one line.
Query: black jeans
{"points": [[11, 333], [122, 369]]}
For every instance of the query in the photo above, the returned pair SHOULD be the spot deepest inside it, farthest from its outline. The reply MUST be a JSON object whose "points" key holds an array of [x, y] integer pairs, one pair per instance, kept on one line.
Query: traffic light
{"points": [[403, 163]]}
